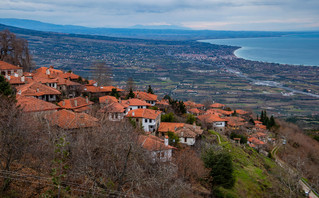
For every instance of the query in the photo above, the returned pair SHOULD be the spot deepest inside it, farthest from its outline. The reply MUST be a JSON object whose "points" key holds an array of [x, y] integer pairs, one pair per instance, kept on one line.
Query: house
{"points": [[78, 104], [69, 88], [220, 112], [187, 133], [66, 119], [158, 149], [147, 97], [134, 103], [194, 111], [162, 105], [105, 100], [113, 111], [148, 118], [7, 69], [255, 143], [49, 71], [36, 106], [213, 121], [95, 91], [16, 80], [234, 122], [217, 106], [39, 91], [70, 76], [191, 105]]}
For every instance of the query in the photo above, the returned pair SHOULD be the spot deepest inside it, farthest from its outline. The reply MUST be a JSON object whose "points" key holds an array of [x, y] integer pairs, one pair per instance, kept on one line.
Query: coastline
{"points": [[266, 51]]}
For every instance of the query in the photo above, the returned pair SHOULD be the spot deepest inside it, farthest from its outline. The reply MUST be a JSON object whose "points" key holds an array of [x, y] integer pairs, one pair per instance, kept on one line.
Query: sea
{"points": [[294, 49]]}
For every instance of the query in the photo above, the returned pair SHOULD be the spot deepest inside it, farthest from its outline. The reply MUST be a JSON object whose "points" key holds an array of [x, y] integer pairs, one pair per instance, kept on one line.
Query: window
{"points": [[145, 120], [150, 120], [185, 139], [130, 109]]}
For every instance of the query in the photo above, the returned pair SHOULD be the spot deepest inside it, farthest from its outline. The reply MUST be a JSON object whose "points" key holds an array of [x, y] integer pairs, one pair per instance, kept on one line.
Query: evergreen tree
{"points": [[130, 94], [5, 88], [115, 93], [190, 119], [234, 113], [150, 90], [262, 116], [182, 107], [221, 168]]}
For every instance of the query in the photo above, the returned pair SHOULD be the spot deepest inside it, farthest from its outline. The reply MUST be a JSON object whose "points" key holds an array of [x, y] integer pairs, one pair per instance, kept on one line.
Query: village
{"points": [[63, 99]]}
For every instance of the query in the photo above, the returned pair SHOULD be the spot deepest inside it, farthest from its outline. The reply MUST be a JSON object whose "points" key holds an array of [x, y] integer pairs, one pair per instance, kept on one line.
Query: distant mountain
{"points": [[142, 32], [160, 27]]}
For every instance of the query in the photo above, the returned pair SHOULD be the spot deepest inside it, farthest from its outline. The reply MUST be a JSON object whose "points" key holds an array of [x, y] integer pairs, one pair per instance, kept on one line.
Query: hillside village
{"points": [[169, 131], [63, 99]]}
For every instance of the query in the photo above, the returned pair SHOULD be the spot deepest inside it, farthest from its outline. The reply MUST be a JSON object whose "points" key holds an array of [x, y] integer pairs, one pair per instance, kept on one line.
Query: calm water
{"points": [[292, 49]]}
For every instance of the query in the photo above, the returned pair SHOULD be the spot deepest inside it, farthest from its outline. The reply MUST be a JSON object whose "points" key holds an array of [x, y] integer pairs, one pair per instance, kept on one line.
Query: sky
{"points": [[261, 15]]}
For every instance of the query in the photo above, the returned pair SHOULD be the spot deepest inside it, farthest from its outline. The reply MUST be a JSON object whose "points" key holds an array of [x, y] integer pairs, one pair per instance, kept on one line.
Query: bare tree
{"points": [[101, 72], [15, 50]]}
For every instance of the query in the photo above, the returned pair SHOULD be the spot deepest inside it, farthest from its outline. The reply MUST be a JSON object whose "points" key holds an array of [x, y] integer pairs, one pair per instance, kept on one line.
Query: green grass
{"points": [[250, 169]]}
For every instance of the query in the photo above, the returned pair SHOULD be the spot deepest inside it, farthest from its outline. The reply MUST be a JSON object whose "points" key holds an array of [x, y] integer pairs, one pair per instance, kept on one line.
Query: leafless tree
{"points": [[15, 50], [101, 73]]}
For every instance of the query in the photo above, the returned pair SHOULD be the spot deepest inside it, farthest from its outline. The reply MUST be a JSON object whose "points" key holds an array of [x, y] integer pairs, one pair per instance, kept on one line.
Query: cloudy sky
{"points": [[195, 14]]}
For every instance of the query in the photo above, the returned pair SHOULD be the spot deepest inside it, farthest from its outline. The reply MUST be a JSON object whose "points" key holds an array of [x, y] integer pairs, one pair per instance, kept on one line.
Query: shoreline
{"points": [[237, 51]]}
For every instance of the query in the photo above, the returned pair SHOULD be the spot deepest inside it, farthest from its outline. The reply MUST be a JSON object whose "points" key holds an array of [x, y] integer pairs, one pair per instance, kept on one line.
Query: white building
{"points": [[148, 118]]}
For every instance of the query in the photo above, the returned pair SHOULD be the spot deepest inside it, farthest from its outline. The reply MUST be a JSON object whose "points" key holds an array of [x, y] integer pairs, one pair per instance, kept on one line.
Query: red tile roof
{"points": [[30, 104], [219, 111], [75, 103], [36, 89], [101, 89], [169, 126], [163, 102], [235, 121], [108, 99], [145, 96], [69, 75], [210, 118], [8, 66], [70, 120], [153, 143], [144, 113], [17, 80], [194, 111], [256, 141], [134, 102], [191, 104], [113, 108], [217, 105], [241, 112]]}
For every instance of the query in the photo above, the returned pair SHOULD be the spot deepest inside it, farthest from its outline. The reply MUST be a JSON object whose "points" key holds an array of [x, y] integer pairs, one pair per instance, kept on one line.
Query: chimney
{"points": [[87, 99], [16, 75], [63, 103], [37, 89], [8, 77], [133, 113], [182, 134], [166, 140], [120, 100], [22, 78], [75, 103]]}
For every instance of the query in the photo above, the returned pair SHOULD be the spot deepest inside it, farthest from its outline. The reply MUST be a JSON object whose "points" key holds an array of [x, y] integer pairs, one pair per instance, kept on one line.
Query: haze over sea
{"points": [[299, 49]]}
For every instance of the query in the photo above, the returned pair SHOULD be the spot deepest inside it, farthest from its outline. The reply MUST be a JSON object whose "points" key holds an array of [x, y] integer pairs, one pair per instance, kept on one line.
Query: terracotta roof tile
{"points": [[70, 120], [69, 75], [108, 99], [194, 111], [8, 66], [113, 108], [101, 89], [256, 141], [36, 89], [169, 126], [153, 143], [134, 102], [145, 96], [210, 118], [144, 113], [31, 104], [163, 102], [75, 103], [217, 105]]}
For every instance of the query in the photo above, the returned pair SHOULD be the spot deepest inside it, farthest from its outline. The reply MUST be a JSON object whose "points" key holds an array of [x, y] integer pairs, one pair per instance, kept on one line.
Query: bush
{"points": [[169, 117], [221, 168], [190, 119]]}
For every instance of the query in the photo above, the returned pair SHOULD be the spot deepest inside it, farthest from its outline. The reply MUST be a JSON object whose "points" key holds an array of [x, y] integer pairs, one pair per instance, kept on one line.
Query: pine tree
{"points": [[262, 116], [130, 94], [150, 90], [5, 88], [115, 93]]}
